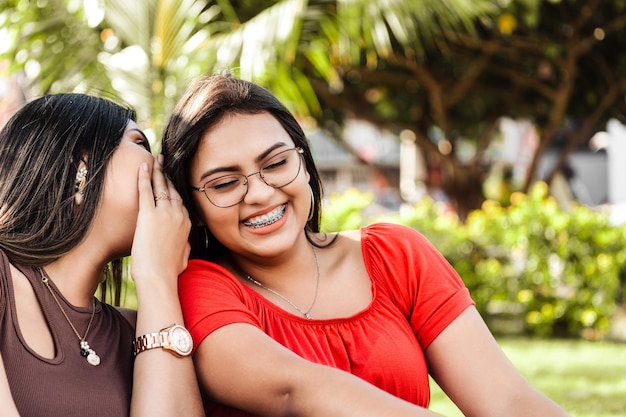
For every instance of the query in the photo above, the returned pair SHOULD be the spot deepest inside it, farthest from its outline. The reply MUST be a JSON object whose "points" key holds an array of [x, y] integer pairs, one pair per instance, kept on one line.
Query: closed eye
{"points": [[145, 144], [224, 183], [140, 139], [275, 164]]}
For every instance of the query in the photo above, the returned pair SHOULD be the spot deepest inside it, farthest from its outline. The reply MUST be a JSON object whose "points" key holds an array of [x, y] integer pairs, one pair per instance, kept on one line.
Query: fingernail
{"points": [[144, 167], [160, 158]]}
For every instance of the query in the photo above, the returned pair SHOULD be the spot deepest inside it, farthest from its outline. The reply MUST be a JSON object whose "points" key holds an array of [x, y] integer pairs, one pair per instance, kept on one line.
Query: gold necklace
{"points": [[85, 350], [317, 286]]}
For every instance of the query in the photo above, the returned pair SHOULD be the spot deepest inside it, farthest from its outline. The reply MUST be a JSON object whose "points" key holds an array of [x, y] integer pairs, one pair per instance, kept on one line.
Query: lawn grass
{"points": [[588, 379]]}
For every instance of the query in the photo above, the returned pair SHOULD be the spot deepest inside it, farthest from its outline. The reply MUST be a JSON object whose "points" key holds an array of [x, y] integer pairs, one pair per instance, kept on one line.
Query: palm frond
{"points": [[375, 27], [253, 46]]}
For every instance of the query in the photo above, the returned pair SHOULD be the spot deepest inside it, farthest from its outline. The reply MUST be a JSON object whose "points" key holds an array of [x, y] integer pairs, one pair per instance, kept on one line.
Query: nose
{"points": [[258, 190]]}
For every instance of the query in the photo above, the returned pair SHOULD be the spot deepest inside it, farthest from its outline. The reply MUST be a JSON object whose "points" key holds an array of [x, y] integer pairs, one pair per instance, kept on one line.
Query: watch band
{"points": [[163, 339], [149, 341]]}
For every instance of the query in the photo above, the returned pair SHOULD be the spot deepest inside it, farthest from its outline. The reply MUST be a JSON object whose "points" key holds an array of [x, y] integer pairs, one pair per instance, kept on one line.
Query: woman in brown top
{"points": [[79, 190]]}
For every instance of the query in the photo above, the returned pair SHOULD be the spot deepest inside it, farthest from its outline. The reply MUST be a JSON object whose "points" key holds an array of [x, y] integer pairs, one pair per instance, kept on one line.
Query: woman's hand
{"points": [[160, 246], [159, 254]]}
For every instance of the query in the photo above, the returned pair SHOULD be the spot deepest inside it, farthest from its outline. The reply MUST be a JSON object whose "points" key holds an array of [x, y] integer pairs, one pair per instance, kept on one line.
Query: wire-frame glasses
{"points": [[278, 171]]}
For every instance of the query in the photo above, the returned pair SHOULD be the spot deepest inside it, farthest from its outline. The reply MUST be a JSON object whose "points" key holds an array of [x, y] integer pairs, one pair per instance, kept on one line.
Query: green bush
{"points": [[530, 266]]}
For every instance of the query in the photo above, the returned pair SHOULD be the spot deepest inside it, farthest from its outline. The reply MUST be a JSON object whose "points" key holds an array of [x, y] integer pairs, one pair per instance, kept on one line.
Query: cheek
{"points": [[123, 171], [223, 226], [121, 188], [197, 200], [216, 219]]}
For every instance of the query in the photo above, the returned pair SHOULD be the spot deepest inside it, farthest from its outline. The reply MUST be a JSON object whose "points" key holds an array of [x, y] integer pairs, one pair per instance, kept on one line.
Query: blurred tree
{"points": [[447, 70], [146, 51], [137, 50], [558, 63]]}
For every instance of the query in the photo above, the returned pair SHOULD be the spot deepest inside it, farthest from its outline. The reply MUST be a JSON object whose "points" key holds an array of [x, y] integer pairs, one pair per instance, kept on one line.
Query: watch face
{"points": [[181, 340]]}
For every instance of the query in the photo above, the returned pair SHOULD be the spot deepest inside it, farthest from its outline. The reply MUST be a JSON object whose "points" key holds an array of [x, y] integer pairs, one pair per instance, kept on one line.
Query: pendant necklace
{"points": [[85, 350], [317, 286]]}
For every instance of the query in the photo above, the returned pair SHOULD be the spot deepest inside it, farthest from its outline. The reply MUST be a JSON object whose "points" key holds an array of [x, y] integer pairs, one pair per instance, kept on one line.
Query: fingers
{"points": [[155, 188], [159, 183], [160, 244], [145, 187], [174, 196], [163, 188]]}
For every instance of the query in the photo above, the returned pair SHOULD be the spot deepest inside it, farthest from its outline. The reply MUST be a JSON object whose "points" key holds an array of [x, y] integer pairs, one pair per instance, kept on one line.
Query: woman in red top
{"points": [[288, 321]]}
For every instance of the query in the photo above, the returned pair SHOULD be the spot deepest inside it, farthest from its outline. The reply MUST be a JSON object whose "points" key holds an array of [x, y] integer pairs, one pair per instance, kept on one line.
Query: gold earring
{"points": [[105, 273], [79, 184], [312, 209]]}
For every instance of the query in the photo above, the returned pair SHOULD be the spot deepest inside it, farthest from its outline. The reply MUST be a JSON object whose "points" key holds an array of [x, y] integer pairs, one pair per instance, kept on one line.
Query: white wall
{"points": [[616, 152]]}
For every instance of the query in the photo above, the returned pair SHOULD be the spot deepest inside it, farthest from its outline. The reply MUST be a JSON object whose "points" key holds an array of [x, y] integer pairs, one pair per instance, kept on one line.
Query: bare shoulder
{"points": [[353, 236], [341, 244]]}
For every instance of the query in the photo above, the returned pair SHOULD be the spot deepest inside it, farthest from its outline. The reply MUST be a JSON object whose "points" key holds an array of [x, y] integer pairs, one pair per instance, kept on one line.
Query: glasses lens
{"points": [[226, 191], [282, 168], [277, 171]]}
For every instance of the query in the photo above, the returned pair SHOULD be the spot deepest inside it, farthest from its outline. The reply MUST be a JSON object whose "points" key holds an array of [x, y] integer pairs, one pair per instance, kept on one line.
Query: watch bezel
{"points": [[174, 339]]}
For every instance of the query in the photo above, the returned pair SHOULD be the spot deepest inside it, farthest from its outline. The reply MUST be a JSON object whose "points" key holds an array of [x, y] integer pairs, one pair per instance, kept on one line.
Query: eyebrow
{"points": [[234, 168]]}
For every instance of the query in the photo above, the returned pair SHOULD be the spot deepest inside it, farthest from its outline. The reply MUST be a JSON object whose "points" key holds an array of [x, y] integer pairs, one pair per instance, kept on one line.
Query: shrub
{"points": [[530, 266]]}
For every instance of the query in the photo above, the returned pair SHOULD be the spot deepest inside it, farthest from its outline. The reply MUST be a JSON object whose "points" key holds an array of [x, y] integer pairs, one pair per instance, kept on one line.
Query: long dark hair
{"points": [[205, 103], [41, 148]]}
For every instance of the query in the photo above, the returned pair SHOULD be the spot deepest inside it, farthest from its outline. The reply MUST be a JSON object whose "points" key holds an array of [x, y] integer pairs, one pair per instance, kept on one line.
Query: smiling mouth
{"points": [[266, 219]]}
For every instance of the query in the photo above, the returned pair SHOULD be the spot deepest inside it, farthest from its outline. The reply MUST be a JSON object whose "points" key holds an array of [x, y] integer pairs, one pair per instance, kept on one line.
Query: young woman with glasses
{"points": [[288, 321], [79, 190]]}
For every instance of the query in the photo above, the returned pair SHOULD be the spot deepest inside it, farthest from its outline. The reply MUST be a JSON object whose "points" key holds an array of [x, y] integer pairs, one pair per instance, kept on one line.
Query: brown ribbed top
{"points": [[66, 385]]}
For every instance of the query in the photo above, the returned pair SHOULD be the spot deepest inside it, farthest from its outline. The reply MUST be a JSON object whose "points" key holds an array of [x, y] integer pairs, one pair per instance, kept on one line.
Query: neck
{"points": [[305, 313], [76, 280], [290, 290], [279, 271]]}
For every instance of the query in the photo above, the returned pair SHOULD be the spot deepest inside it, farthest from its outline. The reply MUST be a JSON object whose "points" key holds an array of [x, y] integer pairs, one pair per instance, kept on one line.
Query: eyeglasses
{"points": [[278, 171]]}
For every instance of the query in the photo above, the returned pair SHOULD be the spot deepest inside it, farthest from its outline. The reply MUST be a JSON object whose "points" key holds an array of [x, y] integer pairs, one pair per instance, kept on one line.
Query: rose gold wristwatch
{"points": [[175, 339]]}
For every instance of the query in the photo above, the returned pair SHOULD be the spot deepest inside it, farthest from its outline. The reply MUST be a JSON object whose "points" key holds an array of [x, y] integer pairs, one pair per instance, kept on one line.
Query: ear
{"points": [[80, 182]]}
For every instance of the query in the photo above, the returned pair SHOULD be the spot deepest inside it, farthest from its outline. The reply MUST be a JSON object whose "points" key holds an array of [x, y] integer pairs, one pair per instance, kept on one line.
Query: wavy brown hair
{"points": [[41, 147], [205, 103]]}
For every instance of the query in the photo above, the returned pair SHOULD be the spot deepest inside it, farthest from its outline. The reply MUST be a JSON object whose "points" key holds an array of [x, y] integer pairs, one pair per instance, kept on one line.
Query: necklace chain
{"points": [[317, 286], [85, 349]]}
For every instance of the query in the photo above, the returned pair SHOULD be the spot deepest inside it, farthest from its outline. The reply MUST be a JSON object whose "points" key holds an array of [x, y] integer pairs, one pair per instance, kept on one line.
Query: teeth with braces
{"points": [[266, 219]]}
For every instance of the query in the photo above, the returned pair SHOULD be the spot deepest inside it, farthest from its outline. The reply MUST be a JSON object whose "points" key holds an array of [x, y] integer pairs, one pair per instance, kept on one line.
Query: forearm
{"points": [[241, 367], [340, 394], [164, 385], [467, 363], [533, 403]]}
